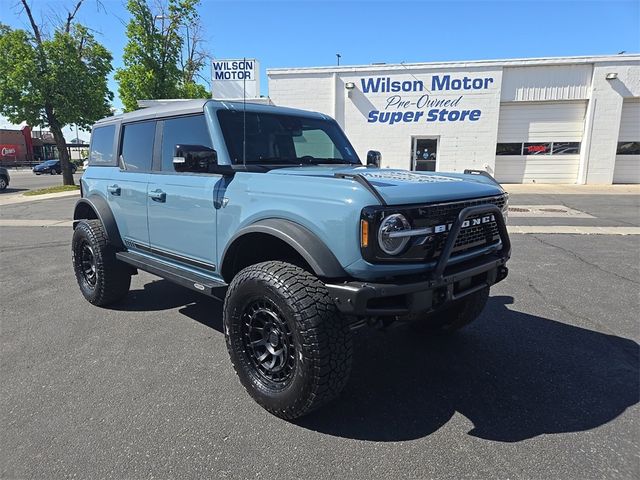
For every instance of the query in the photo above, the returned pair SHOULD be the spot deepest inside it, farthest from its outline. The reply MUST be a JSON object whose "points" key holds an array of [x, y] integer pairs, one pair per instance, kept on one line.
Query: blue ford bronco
{"points": [[271, 210]]}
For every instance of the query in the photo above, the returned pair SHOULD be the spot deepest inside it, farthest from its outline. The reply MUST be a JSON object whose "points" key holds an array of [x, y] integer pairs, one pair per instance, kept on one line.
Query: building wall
{"points": [[603, 119], [578, 85]]}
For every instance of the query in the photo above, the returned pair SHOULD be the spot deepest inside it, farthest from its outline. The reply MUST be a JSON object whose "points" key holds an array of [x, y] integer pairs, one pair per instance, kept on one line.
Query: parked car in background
{"points": [[4, 178], [52, 167]]}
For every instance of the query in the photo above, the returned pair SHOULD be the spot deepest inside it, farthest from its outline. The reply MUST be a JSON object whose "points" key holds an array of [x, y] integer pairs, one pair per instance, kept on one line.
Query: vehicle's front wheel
{"points": [[3, 183], [102, 278], [287, 342], [454, 317]]}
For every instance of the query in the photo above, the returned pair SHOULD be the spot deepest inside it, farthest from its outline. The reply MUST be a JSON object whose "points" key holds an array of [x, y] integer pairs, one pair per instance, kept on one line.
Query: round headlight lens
{"points": [[393, 223]]}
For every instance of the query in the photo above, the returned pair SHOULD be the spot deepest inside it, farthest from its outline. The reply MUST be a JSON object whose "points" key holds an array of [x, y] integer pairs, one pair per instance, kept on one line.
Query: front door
{"points": [[181, 205], [424, 154], [127, 188]]}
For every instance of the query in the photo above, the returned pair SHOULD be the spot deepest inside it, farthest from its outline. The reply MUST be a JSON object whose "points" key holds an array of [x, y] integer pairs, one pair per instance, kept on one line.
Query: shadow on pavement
{"points": [[513, 375], [10, 189]]}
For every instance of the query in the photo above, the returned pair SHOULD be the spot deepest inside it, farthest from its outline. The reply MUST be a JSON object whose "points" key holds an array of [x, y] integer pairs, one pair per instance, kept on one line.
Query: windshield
{"points": [[50, 162], [270, 138]]}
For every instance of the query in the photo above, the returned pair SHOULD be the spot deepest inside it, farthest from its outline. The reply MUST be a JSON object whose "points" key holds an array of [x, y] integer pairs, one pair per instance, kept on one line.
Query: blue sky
{"points": [[310, 33]]}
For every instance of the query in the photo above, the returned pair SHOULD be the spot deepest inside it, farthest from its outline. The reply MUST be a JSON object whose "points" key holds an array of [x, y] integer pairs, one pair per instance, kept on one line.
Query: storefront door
{"points": [[424, 154]]}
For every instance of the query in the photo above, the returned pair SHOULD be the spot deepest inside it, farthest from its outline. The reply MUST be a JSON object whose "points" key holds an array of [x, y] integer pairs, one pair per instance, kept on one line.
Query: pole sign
{"points": [[235, 78]]}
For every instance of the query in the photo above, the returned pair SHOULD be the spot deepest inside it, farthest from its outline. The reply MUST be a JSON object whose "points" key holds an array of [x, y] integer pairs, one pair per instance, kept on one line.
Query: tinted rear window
{"points": [[137, 146], [101, 149]]}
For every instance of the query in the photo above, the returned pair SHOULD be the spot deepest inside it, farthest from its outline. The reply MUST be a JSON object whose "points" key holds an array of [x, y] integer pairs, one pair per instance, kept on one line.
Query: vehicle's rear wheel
{"points": [[3, 183], [102, 279], [453, 318], [53, 171], [287, 342]]}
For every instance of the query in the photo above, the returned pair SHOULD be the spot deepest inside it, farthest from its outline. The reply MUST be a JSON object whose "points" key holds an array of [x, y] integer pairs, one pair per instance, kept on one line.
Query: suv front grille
{"points": [[469, 237], [439, 217]]}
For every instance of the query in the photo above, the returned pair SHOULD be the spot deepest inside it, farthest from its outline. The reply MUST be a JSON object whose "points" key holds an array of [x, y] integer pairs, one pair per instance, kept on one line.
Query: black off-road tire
{"points": [[103, 280], [309, 326], [453, 318]]}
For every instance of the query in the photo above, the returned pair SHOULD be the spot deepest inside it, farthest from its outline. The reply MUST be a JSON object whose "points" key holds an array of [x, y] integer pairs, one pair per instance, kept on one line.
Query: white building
{"points": [[546, 120]]}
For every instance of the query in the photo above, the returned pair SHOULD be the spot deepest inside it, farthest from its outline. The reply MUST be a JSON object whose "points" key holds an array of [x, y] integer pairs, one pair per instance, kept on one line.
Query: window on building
{"points": [[566, 148], [628, 148], [101, 149], [539, 148], [509, 149], [137, 146], [190, 130]]}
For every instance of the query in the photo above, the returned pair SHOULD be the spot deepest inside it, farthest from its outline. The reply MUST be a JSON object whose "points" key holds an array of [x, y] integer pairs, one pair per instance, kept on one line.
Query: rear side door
{"points": [[181, 205], [127, 187]]}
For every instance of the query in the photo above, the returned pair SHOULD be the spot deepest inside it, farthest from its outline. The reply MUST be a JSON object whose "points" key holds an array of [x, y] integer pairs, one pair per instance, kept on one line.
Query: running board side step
{"points": [[187, 279]]}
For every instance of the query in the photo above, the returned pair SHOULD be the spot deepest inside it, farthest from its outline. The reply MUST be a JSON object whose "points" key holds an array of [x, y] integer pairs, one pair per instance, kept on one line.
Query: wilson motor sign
{"points": [[442, 99], [235, 78]]}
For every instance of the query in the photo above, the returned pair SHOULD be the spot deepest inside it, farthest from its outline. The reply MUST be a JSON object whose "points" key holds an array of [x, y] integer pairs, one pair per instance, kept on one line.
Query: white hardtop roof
{"points": [[513, 62], [176, 107]]}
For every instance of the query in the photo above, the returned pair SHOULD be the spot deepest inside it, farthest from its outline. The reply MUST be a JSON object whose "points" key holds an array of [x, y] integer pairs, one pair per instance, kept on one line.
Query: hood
{"points": [[399, 187]]}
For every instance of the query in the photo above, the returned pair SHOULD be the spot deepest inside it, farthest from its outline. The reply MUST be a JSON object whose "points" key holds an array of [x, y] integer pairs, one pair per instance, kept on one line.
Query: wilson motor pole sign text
{"points": [[235, 78]]}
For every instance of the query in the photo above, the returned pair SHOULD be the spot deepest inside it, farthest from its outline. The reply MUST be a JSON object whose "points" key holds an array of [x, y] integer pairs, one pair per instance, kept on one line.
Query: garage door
{"points": [[539, 142], [627, 169]]}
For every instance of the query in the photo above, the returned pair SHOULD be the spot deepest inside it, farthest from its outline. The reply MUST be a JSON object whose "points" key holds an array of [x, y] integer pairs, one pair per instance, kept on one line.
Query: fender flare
{"points": [[313, 250], [103, 212]]}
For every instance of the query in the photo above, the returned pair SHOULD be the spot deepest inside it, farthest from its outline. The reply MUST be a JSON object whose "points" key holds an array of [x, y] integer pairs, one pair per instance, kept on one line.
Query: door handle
{"points": [[114, 190], [158, 196]]}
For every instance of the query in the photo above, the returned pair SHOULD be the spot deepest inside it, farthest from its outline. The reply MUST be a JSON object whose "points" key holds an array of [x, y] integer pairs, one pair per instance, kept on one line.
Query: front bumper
{"points": [[444, 284]]}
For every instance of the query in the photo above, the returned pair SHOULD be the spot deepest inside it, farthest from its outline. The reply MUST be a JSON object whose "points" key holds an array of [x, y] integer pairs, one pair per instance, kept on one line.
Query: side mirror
{"points": [[374, 158], [194, 158]]}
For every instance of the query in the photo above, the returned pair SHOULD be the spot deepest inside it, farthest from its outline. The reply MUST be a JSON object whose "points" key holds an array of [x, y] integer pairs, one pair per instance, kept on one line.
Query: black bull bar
{"points": [[442, 285]]}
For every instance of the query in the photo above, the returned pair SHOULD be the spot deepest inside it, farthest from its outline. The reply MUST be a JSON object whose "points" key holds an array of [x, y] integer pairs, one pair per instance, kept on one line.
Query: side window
{"points": [[101, 149], [190, 130], [137, 146]]}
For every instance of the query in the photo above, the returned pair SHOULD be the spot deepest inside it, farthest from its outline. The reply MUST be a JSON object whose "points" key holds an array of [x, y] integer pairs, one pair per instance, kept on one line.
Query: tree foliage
{"points": [[155, 63], [54, 81]]}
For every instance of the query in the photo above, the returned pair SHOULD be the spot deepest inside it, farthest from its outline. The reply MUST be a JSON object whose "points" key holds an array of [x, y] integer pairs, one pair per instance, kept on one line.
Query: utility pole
{"points": [[338, 57]]}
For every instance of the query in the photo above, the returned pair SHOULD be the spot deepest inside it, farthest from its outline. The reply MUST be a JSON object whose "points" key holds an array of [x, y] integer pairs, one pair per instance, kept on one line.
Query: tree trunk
{"points": [[61, 144]]}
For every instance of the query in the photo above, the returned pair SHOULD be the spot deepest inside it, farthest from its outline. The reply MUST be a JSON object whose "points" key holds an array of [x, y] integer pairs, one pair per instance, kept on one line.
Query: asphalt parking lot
{"points": [[544, 385], [24, 179]]}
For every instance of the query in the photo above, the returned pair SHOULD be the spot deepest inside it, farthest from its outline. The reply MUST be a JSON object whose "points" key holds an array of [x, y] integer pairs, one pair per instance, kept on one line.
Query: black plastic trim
{"points": [[362, 180], [102, 210], [175, 257], [302, 240]]}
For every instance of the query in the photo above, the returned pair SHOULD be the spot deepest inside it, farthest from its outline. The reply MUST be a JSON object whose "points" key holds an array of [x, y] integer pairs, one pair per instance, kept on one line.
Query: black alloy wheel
{"points": [[268, 341]]}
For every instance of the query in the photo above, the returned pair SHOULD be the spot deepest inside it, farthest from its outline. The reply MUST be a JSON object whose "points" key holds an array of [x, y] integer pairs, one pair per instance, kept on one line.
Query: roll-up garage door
{"points": [[539, 142], [627, 169]]}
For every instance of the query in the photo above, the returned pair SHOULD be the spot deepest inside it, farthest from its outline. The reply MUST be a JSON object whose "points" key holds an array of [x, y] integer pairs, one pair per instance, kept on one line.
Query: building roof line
{"points": [[509, 62]]}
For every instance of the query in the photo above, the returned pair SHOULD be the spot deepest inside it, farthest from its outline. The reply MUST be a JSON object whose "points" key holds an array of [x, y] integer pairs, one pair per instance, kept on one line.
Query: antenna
{"points": [[244, 116]]}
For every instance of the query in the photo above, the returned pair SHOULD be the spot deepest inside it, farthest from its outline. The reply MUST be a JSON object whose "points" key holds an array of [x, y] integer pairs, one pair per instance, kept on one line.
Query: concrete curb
{"points": [[559, 189], [21, 198], [513, 229]]}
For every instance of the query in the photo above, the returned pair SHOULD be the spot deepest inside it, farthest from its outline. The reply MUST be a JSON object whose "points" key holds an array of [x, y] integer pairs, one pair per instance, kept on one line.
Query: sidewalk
{"points": [[561, 189], [20, 197]]}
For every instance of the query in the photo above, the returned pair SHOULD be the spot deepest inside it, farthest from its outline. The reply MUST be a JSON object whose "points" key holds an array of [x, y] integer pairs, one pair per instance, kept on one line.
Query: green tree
{"points": [[155, 65], [54, 81]]}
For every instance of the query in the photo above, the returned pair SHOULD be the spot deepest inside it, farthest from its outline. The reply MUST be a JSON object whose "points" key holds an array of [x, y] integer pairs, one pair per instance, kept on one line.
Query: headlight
{"points": [[393, 223], [505, 208]]}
